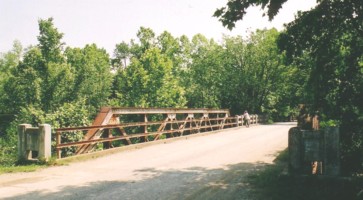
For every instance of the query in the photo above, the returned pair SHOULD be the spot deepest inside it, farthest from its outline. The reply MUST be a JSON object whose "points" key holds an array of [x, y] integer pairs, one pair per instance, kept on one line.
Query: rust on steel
{"points": [[107, 114], [120, 111], [176, 122]]}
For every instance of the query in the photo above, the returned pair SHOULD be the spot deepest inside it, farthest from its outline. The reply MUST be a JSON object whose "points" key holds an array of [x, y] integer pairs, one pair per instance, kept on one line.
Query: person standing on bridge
{"points": [[246, 118]]}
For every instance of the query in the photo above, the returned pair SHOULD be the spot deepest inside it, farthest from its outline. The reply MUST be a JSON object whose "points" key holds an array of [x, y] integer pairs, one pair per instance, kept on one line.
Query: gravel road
{"points": [[212, 166]]}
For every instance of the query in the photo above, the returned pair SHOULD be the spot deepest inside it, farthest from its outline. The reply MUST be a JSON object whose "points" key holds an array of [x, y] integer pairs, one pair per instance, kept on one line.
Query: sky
{"points": [[109, 22]]}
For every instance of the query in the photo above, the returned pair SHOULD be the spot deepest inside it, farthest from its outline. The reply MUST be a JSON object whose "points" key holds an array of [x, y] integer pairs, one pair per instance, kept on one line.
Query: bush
{"points": [[8, 152], [69, 114]]}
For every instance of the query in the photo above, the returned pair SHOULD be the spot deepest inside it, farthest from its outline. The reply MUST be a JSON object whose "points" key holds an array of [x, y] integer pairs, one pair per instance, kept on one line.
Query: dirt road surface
{"points": [[212, 166]]}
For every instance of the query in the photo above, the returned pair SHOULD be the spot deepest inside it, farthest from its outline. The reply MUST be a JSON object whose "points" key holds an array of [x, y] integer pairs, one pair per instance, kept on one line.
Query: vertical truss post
{"points": [[58, 142], [107, 134], [145, 128], [223, 121], [172, 117]]}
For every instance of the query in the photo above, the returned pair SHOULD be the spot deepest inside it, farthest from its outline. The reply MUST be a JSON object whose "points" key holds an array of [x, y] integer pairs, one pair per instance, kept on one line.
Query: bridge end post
{"points": [[22, 153], [331, 151], [295, 150], [44, 142]]}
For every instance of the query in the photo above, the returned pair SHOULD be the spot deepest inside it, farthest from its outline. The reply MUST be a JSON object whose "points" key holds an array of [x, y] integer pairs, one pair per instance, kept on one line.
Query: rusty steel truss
{"points": [[115, 127]]}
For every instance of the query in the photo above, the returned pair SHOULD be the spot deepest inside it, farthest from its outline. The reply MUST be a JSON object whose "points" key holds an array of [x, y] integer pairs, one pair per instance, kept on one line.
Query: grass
{"points": [[27, 166], [273, 184], [20, 168]]}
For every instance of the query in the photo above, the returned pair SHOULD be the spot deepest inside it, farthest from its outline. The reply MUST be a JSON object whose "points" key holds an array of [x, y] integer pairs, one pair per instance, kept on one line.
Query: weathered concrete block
{"points": [[314, 151], [295, 150], [332, 151], [22, 140], [34, 139], [45, 134], [312, 144]]}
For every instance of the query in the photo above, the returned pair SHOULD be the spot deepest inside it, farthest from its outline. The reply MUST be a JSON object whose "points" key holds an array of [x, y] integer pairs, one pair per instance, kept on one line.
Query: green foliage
{"points": [[122, 54], [171, 47], [8, 142], [331, 36], [8, 61], [42, 78], [93, 77], [67, 87], [204, 73], [46, 79], [329, 123], [149, 82], [256, 78], [236, 10], [51, 86], [325, 43], [20, 168], [69, 115], [147, 38], [324, 121], [8, 151], [50, 41], [74, 114]]}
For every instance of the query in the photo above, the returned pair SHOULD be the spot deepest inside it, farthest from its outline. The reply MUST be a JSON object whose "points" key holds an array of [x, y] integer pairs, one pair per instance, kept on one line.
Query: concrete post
{"points": [[22, 154], [295, 150], [332, 155], [44, 142]]}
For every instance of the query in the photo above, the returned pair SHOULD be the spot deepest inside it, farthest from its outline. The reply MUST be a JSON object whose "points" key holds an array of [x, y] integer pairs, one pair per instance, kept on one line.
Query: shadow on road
{"points": [[243, 181], [192, 183]]}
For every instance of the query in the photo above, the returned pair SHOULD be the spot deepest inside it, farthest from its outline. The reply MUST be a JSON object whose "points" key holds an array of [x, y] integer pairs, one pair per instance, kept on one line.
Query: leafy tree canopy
{"points": [[328, 39], [237, 9]]}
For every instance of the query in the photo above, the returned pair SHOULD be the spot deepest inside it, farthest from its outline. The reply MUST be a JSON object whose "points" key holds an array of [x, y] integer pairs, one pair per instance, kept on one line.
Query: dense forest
{"points": [[327, 41], [266, 72]]}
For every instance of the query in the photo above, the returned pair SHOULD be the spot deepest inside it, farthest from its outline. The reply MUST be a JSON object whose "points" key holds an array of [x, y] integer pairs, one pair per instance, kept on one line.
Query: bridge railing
{"points": [[146, 125], [121, 134]]}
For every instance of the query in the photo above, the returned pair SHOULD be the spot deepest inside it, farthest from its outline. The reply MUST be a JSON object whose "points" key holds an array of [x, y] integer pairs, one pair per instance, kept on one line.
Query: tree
{"points": [[149, 82], [201, 76], [236, 10], [170, 46], [52, 68], [255, 75], [50, 41], [334, 40], [268, 77], [330, 37], [122, 54], [8, 62], [147, 39], [93, 78], [23, 87], [235, 69]]}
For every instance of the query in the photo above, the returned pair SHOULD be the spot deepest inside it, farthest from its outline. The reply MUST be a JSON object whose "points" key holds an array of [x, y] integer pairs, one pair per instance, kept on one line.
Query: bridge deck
{"points": [[206, 167]]}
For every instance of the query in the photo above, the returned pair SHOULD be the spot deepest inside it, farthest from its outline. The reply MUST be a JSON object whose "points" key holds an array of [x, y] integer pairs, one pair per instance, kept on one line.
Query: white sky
{"points": [[109, 22]]}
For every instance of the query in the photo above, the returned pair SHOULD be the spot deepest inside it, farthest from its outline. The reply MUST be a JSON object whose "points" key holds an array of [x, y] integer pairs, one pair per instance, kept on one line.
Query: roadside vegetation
{"points": [[325, 42], [316, 60], [65, 86], [274, 183]]}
